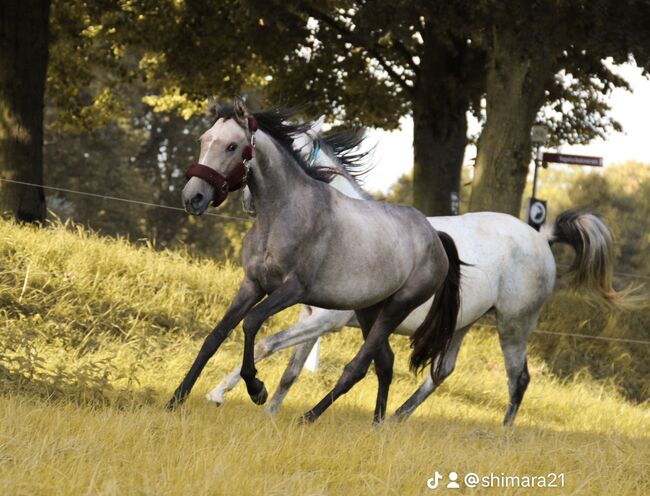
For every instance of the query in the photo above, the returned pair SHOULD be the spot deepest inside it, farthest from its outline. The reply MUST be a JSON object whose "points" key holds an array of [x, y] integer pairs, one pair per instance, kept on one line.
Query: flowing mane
{"points": [[346, 147], [352, 164]]}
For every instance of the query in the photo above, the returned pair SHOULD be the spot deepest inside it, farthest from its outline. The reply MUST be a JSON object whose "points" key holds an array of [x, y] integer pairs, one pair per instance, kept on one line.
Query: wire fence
{"points": [[585, 336], [232, 217], [211, 214], [116, 198]]}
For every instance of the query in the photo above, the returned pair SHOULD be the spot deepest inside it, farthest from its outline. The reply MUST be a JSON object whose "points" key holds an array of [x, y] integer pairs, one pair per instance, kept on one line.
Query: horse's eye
{"points": [[231, 147]]}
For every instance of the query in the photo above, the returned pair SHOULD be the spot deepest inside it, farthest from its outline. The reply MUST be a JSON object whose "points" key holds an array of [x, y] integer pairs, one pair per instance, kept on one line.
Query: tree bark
{"points": [[439, 140], [440, 103], [514, 92], [23, 64]]}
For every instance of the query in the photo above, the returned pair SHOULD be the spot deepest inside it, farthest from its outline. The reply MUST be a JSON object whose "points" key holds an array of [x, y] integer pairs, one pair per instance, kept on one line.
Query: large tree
{"points": [[528, 44], [23, 65]]}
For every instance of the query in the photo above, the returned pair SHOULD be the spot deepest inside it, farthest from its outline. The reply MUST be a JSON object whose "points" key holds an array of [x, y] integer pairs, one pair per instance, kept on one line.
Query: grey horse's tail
{"points": [[592, 268], [431, 340]]}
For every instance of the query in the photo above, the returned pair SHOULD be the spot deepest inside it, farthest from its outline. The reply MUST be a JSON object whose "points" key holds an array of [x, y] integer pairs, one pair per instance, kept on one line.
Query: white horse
{"points": [[511, 271]]}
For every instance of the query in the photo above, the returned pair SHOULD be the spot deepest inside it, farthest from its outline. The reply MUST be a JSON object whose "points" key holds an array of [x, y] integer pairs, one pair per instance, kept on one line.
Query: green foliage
{"points": [[402, 190]]}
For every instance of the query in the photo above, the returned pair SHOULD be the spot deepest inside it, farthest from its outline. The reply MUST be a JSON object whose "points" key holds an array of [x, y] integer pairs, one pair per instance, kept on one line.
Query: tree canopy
{"points": [[127, 83]]}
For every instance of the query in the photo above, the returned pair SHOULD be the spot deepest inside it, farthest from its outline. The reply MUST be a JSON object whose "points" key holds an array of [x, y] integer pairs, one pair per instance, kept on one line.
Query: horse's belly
{"points": [[476, 298], [347, 296]]}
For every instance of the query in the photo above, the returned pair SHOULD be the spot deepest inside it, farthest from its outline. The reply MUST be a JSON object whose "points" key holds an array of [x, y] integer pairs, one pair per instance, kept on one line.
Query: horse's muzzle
{"points": [[197, 204]]}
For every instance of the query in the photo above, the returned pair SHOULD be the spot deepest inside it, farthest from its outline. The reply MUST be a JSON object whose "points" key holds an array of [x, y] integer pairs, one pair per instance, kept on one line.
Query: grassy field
{"points": [[96, 334]]}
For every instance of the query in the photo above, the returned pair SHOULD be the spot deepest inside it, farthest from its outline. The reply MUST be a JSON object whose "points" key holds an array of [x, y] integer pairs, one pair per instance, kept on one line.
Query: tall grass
{"points": [[96, 333]]}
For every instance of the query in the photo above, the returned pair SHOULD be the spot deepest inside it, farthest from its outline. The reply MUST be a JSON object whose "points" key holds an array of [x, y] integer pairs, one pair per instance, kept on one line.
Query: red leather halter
{"points": [[237, 177]]}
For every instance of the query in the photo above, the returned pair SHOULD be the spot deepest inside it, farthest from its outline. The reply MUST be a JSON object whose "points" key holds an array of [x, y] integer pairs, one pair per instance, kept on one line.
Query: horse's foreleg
{"points": [[291, 373], [429, 386], [248, 295], [285, 296], [313, 323]]}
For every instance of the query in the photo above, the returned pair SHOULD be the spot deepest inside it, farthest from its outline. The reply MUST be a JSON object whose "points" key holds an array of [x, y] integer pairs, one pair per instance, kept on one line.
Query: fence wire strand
{"points": [[232, 217], [116, 198]]}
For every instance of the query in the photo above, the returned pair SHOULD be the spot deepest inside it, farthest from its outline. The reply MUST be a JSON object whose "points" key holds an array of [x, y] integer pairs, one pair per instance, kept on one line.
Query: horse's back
{"points": [[373, 250], [516, 259]]}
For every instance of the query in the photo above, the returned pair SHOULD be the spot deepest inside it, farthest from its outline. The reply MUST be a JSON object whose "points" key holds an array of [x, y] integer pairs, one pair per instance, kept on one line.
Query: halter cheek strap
{"points": [[236, 179]]}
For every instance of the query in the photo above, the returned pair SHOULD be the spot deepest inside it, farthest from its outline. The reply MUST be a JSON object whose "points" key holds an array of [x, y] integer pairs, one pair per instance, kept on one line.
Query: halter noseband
{"points": [[236, 179]]}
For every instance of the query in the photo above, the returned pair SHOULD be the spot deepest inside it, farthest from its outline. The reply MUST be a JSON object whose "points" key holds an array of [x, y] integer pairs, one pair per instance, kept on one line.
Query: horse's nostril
{"points": [[197, 200]]}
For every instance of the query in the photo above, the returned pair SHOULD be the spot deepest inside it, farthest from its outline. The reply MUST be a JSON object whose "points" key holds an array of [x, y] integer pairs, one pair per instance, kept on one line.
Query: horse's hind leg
{"points": [[429, 386], [291, 373], [384, 360], [392, 313], [513, 337]]}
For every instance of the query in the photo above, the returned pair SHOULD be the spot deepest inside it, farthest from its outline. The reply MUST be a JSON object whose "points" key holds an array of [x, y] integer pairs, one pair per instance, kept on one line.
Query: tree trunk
{"points": [[440, 103], [439, 147], [514, 94], [23, 64]]}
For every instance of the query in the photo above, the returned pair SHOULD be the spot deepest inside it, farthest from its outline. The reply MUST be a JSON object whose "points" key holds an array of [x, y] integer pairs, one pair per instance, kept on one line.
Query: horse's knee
{"points": [[385, 372], [249, 324], [384, 362]]}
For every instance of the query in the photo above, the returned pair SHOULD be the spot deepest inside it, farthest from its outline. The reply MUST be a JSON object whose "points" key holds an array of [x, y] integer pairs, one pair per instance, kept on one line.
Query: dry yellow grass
{"points": [[96, 338]]}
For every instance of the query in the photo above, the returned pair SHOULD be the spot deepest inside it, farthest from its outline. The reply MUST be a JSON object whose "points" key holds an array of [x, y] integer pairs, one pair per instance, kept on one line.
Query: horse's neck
{"points": [[274, 177]]}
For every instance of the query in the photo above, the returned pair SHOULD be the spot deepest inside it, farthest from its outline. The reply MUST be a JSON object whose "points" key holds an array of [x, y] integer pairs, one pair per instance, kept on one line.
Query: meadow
{"points": [[97, 332]]}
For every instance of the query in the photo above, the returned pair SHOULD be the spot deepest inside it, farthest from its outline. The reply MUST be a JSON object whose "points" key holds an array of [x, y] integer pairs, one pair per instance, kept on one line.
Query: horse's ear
{"points": [[241, 112], [213, 108], [317, 126]]}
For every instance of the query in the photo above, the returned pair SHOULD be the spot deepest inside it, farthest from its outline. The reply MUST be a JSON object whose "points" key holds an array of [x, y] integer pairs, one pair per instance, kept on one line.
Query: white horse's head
{"points": [[225, 149]]}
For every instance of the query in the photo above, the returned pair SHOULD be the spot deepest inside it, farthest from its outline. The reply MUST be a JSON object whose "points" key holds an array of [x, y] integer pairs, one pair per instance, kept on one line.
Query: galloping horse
{"points": [[511, 272], [311, 244]]}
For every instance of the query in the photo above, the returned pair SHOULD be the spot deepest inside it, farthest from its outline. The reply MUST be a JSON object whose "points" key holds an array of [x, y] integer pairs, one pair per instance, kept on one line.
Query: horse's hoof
{"points": [[272, 409], [308, 418], [217, 400], [400, 416], [260, 397], [171, 404]]}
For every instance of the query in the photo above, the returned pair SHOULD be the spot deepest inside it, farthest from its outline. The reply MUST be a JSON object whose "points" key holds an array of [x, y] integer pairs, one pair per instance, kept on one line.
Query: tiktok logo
{"points": [[433, 482]]}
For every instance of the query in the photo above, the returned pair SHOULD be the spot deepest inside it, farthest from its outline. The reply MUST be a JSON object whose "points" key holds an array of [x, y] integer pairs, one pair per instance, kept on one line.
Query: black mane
{"points": [[278, 124], [346, 147]]}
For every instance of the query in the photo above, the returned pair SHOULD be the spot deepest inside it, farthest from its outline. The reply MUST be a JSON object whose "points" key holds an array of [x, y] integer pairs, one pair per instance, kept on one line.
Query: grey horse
{"points": [[311, 244]]}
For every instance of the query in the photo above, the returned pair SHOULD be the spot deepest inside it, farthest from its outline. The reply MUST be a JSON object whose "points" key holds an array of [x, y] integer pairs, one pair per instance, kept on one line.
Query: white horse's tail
{"points": [[592, 268]]}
